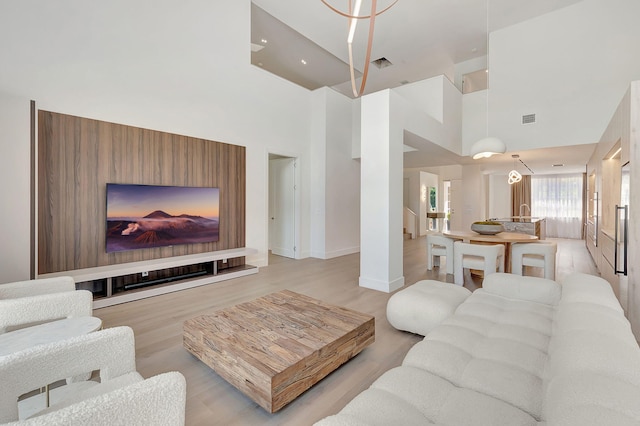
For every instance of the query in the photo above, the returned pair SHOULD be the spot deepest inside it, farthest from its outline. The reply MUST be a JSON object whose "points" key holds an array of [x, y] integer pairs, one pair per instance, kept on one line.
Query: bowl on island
{"points": [[487, 227]]}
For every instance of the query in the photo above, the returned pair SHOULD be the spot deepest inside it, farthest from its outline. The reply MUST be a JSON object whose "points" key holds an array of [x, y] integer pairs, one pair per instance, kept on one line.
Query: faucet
{"points": [[527, 206]]}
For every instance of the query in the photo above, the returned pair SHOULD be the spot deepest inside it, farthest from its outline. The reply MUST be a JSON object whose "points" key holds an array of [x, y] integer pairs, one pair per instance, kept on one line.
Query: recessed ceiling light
{"points": [[264, 40], [303, 62]]}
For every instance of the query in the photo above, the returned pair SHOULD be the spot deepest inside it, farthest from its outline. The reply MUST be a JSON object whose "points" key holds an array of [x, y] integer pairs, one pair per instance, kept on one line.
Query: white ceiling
{"points": [[540, 161], [421, 38]]}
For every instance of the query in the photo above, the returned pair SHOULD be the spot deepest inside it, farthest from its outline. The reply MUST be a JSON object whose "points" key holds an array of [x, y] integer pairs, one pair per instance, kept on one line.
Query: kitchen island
{"points": [[525, 224]]}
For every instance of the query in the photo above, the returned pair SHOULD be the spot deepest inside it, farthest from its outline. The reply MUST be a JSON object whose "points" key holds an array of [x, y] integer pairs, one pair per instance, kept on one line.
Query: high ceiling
{"points": [[420, 38]]}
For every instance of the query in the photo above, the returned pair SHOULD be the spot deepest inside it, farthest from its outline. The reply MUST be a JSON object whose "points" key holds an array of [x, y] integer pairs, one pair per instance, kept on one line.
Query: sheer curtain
{"points": [[558, 198]]}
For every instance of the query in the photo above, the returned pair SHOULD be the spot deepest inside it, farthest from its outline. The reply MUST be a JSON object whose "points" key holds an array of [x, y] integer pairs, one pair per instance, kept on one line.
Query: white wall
{"points": [[342, 180], [499, 197], [434, 111], [140, 77], [14, 188], [467, 67], [418, 181], [474, 119], [355, 128], [426, 95], [335, 178], [474, 195], [570, 67], [318, 172]]}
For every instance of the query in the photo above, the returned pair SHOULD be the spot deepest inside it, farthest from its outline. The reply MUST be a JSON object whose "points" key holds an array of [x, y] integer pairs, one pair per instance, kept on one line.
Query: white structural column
{"points": [[381, 248]]}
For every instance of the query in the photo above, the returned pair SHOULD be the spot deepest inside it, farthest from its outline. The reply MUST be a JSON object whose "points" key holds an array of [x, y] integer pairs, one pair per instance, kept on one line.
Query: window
{"points": [[558, 198]]}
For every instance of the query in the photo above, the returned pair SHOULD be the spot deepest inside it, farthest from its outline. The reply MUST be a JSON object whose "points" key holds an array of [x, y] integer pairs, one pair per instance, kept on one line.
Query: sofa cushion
{"points": [[593, 352], [493, 345], [501, 310], [591, 317], [583, 288], [505, 369], [411, 396], [591, 399], [423, 305], [533, 289]]}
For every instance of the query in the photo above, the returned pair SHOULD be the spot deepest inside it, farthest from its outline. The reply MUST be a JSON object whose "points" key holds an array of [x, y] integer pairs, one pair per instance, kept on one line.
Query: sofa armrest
{"points": [[45, 307], [112, 351], [159, 400], [519, 287]]}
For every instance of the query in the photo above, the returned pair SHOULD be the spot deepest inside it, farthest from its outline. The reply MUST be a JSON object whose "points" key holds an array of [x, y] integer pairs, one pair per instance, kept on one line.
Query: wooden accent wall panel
{"points": [[79, 156]]}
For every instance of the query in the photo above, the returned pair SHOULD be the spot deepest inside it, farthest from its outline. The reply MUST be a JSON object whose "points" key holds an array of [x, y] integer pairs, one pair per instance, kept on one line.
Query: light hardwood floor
{"points": [[157, 323]]}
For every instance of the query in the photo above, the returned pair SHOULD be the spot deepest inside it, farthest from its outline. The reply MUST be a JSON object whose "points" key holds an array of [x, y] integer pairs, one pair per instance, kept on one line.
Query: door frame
{"points": [[269, 154]]}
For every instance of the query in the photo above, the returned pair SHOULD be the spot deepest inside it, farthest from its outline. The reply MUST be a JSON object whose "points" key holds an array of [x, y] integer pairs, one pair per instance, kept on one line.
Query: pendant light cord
{"points": [[487, 118]]}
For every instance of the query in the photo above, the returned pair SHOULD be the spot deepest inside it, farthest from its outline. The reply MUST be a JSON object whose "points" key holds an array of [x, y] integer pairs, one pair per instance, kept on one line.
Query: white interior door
{"points": [[455, 205], [282, 196]]}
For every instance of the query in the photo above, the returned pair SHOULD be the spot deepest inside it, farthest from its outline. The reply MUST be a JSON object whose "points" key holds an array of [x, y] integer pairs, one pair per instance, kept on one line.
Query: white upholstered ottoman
{"points": [[424, 305]]}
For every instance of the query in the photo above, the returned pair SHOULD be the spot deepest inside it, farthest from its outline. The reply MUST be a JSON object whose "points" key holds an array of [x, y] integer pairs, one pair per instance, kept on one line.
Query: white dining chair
{"points": [[539, 255], [437, 246], [487, 258]]}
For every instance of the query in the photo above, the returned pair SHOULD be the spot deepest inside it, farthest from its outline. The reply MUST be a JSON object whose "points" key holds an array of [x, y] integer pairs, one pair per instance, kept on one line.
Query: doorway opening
{"points": [[283, 217]]}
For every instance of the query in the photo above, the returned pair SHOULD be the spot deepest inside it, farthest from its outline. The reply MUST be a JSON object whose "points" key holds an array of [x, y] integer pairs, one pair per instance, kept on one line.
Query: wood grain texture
{"points": [[77, 157], [277, 346]]}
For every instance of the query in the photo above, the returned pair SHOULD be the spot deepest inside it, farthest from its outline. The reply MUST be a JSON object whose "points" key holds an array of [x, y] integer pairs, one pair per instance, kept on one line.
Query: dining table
{"points": [[506, 238]]}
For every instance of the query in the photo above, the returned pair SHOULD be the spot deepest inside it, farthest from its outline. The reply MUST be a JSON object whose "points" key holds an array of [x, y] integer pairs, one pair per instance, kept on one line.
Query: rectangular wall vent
{"points": [[528, 119]]}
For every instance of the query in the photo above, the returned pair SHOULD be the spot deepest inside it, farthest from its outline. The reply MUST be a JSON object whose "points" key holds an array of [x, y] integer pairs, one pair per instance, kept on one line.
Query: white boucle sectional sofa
{"points": [[519, 351]]}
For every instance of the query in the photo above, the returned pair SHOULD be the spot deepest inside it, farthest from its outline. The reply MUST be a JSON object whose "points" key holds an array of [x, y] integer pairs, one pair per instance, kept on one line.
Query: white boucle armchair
{"points": [[122, 397], [27, 302]]}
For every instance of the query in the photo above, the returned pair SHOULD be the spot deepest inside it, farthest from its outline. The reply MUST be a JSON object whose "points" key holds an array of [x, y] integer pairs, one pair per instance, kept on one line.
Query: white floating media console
{"points": [[149, 288]]}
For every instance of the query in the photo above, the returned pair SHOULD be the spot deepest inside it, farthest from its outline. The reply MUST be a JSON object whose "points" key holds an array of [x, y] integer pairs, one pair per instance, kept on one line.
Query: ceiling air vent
{"points": [[381, 62], [528, 119]]}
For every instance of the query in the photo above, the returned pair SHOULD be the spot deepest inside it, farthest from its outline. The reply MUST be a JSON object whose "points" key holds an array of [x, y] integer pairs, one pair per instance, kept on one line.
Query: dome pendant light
{"points": [[488, 146]]}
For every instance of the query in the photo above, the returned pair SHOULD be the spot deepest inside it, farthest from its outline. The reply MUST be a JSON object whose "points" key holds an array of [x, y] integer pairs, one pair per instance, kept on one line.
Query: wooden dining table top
{"points": [[502, 237]]}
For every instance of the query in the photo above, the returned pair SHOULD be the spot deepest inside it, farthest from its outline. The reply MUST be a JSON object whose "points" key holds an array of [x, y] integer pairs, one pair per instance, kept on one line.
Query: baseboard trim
{"points": [[384, 286]]}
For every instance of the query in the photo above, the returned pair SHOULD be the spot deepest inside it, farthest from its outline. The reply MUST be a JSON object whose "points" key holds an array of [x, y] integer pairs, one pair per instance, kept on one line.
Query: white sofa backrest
{"points": [[593, 370], [532, 289]]}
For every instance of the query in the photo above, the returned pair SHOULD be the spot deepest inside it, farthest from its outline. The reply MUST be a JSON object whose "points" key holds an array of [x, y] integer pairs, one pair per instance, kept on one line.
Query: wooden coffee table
{"points": [[276, 347]]}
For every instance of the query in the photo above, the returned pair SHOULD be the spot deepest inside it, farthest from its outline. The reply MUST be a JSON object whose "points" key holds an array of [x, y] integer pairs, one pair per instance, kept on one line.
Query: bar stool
{"points": [[539, 255], [438, 245], [488, 258]]}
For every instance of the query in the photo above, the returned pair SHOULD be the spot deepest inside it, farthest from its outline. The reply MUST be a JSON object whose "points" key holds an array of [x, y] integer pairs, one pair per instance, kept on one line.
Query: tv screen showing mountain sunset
{"points": [[148, 216]]}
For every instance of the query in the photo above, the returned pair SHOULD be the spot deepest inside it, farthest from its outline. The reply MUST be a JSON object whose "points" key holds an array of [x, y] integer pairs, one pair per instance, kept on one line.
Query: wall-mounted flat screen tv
{"points": [[147, 216]]}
